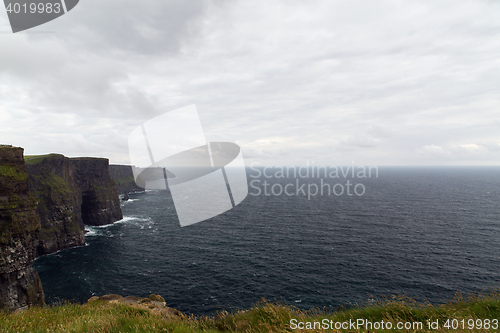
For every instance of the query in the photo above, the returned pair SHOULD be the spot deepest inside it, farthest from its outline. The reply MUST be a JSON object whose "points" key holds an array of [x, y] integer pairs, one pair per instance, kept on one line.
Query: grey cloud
{"points": [[375, 81], [133, 27], [86, 65], [358, 142], [379, 132], [491, 146]]}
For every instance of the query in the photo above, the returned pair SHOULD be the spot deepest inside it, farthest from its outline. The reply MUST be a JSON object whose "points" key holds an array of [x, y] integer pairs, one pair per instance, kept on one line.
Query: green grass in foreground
{"points": [[102, 316]]}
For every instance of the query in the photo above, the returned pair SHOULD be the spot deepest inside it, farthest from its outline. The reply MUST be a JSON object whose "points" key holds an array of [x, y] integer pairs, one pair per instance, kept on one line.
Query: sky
{"points": [[291, 82]]}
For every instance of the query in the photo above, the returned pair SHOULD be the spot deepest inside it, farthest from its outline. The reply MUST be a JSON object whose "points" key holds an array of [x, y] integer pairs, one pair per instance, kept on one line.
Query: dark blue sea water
{"points": [[423, 232]]}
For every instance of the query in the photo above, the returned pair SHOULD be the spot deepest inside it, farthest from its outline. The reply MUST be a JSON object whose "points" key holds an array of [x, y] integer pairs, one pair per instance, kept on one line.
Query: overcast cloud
{"points": [[334, 82]]}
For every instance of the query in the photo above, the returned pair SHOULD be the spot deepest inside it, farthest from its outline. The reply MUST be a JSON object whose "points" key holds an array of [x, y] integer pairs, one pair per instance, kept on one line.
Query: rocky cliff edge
{"points": [[20, 285]]}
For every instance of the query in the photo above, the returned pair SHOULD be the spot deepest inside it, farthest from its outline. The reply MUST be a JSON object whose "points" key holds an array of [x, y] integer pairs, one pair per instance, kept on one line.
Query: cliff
{"points": [[20, 285], [60, 201], [100, 202], [72, 192], [124, 177]]}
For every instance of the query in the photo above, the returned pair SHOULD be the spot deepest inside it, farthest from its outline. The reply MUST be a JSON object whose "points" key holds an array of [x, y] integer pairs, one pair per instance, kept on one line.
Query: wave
{"points": [[98, 230], [129, 200]]}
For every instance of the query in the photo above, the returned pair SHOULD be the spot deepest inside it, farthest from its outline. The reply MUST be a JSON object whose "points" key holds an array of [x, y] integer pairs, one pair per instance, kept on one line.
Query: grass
{"points": [[19, 217], [125, 180], [103, 316], [33, 159], [13, 172], [55, 183]]}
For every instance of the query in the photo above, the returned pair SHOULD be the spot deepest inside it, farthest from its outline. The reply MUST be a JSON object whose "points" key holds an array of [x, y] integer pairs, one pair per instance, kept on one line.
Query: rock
{"points": [[60, 200], [153, 303], [156, 298], [111, 297], [20, 285], [72, 192], [130, 300], [124, 177], [100, 201]]}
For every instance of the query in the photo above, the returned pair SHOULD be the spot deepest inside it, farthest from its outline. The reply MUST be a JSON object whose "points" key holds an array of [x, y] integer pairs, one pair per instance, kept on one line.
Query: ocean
{"points": [[423, 232]]}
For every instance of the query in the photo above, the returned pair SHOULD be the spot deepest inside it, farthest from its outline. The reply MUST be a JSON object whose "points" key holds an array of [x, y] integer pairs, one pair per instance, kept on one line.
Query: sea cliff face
{"points": [[20, 285], [60, 201], [100, 201], [44, 204], [72, 192], [124, 177]]}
